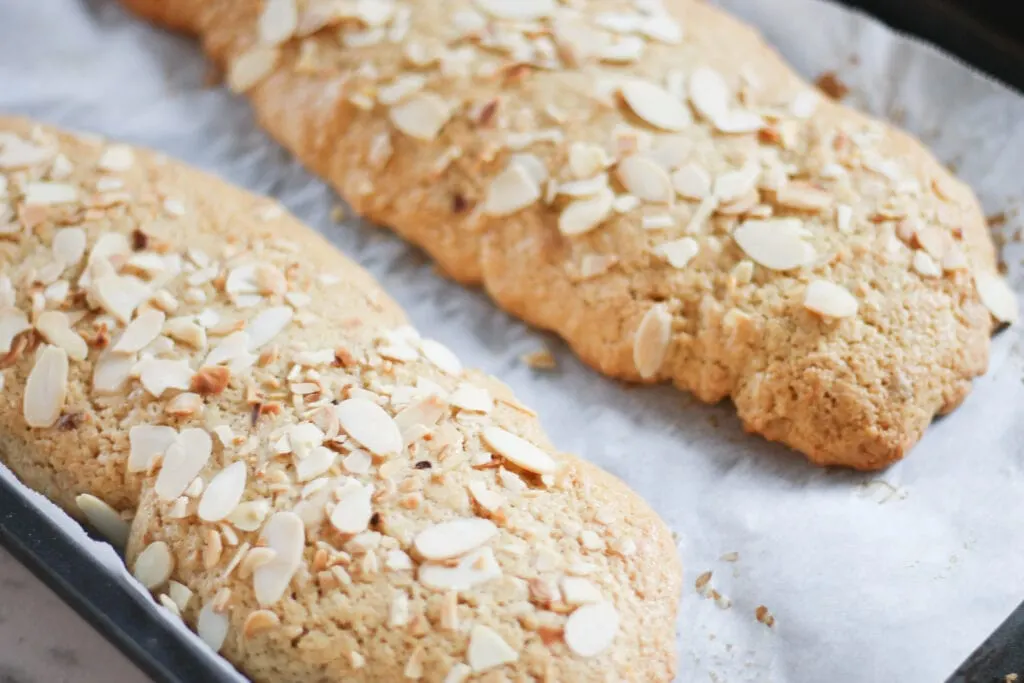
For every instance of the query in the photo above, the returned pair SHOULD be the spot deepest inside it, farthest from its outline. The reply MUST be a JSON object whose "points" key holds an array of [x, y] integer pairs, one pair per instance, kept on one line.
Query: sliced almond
{"points": [[469, 397], [454, 538], [926, 265], [803, 197], [420, 415], [104, 518], [111, 372], [583, 215], [56, 329], [709, 93], [692, 182], [473, 569], [776, 244], [370, 425], [579, 591], [590, 630], [422, 116], [249, 516], [441, 356], [651, 342], [154, 565], [517, 10], [12, 323], [120, 295], [510, 191], [586, 160], [251, 67], [40, 193], [491, 501], [353, 512], [645, 179], [182, 462], [998, 298], [69, 245], [259, 621], [655, 105], [212, 626], [487, 650], [519, 451], [267, 325], [679, 252], [46, 388], [186, 330], [315, 464], [284, 533], [223, 494], [158, 375], [141, 332], [146, 443], [278, 21], [829, 299], [734, 185]]}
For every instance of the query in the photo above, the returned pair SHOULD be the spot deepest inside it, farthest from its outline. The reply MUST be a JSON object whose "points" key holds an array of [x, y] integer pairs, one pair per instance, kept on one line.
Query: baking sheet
{"points": [[895, 576]]}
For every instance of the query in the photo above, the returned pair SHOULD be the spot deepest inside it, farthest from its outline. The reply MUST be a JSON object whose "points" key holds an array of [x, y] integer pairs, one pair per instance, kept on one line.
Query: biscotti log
{"points": [[322, 493], [652, 182]]}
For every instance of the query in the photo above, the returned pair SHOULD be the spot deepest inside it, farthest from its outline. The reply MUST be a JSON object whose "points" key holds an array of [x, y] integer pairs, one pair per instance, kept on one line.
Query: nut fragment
{"points": [[997, 297], [223, 493], [370, 425], [651, 342], [284, 533], [583, 215], [154, 565], [454, 538], [678, 252], [422, 116], [488, 650], [519, 451], [645, 179], [212, 626], [510, 191], [105, 518], [251, 67], [592, 628], [829, 299], [776, 244], [184, 460]]}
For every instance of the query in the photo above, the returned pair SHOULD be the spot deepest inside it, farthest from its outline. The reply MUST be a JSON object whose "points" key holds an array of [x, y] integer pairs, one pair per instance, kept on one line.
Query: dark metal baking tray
{"points": [[987, 34]]}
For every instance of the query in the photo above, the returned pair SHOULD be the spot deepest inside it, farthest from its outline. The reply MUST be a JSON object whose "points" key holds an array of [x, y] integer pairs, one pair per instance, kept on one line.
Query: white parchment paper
{"points": [[896, 576]]}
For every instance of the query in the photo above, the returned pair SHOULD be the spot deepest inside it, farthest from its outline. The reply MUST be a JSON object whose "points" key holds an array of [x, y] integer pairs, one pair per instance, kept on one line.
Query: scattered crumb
{"points": [[730, 557], [997, 220], [830, 84], [338, 213], [540, 360], [764, 616], [702, 584]]}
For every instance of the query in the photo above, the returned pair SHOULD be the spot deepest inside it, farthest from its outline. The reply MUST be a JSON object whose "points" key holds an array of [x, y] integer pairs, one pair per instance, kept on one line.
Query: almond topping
{"points": [[259, 621], [251, 67], [184, 459], [154, 565], [422, 116], [651, 342], [678, 252], [212, 626], [352, 513], [510, 191], [278, 21], [591, 629], [370, 425], [776, 244], [583, 215], [487, 650], [283, 533], [140, 332], [46, 388], [223, 493], [519, 451], [104, 518], [454, 538], [476, 567], [829, 299], [655, 105], [56, 329], [997, 297]]}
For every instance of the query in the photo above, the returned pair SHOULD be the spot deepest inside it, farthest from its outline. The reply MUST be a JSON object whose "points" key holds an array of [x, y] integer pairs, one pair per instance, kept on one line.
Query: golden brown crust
{"points": [[856, 391], [272, 399]]}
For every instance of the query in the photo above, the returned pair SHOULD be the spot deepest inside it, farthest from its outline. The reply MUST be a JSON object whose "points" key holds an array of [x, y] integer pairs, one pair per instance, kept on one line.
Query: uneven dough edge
{"points": [[861, 402]]}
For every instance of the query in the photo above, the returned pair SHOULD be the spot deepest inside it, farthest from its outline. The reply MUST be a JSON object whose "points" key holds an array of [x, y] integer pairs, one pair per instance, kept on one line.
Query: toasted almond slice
{"points": [[154, 565], [180, 594], [278, 21], [56, 329], [469, 397], [997, 297], [249, 516], [69, 245], [316, 463], [651, 342], [579, 591], [583, 215], [829, 299], [591, 629], [441, 356], [158, 375], [645, 179], [283, 533], [105, 518], [268, 324], [46, 388], [251, 67], [353, 512], [259, 621], [12, 323], [926, 265], [473, 569], [776, 244], [586, 160], [491, 501], [734, 185], [420, 415], [517, 10], [212, 626], [370, 425], [40, 193], [422, 116], [709, 94], [141, 332], [655, 105], [182, 463], [739, 121], [223, 493], [146, 443], [120, 295], [117, 158], [111, 372], [692, 182], [454, 538], [803, 197], [510, 191], [679, 252], [587, 187], [487, 650], [519, 451]]}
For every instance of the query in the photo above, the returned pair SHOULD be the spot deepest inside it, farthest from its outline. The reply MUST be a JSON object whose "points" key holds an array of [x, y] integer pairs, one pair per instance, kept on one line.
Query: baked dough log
{"points": [[651, 182], [323, 493]]}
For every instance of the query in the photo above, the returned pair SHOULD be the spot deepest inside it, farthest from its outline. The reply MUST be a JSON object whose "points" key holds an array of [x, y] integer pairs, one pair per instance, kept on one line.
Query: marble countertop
{"points": [[43, 641]]}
